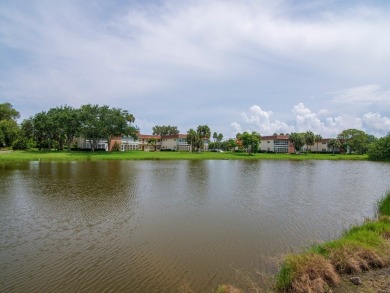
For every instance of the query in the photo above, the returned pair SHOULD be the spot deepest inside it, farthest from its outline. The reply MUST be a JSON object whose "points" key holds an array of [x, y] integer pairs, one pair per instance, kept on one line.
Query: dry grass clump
{"points": [[354, 259], [308, 272], [361, 248], [184, 288], [228, 289]]}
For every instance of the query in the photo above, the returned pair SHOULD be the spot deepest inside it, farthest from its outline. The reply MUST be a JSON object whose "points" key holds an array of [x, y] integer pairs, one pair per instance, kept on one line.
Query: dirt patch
{"points": [[374, 281], [5, 152]]}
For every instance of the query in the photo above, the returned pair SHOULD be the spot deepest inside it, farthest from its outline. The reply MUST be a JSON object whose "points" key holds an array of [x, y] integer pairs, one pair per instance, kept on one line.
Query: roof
{"points": [[281, 137], [149, 136], [174, 136]]}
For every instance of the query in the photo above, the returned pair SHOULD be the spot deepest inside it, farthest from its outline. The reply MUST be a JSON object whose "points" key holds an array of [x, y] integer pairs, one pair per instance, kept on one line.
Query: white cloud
{"points": [[149, 48], [236, 128], [305, 120], [263, 121], [197, 56], [375, 122], [363, 95]]}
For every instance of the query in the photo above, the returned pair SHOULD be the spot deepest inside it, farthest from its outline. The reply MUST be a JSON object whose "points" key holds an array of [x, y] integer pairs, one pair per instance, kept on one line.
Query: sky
{"points": [[276, 66]]}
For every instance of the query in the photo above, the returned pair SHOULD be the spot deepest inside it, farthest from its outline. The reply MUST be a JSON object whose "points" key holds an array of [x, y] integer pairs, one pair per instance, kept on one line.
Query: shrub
{"points": [[380, 149], [20, 143]]}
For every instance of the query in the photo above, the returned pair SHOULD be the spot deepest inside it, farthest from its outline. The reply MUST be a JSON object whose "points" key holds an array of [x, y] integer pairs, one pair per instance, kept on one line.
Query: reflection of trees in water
{"points": [[89, 192], [11, 176], [198, 180]]}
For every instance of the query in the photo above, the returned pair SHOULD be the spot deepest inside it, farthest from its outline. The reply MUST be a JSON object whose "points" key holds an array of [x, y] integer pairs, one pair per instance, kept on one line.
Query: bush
{"points": [[20, 143], [380, 149]]}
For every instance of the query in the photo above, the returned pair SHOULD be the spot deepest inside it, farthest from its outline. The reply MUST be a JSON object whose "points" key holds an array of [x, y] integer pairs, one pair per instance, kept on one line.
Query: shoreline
{"points": [[362, 250], [9, 156]]}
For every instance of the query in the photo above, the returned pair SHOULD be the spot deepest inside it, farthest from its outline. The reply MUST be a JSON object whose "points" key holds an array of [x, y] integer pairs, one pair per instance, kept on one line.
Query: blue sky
{"points": [[269, 66]]}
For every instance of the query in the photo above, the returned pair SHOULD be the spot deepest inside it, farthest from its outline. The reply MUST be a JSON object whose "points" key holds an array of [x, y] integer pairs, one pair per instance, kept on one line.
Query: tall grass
{"points": [[384, 205], [360, 248]]}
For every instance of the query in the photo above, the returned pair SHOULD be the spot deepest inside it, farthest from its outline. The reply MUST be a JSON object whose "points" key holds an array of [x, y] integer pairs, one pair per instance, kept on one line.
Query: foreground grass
{"points": [[361, 248], [140, 155]]}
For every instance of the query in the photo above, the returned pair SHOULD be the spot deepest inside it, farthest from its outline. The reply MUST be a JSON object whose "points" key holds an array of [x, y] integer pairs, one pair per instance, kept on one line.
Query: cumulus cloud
{"points": [[236, 128], [145, 54], [376, 123], [263, 121], [305, 119]]}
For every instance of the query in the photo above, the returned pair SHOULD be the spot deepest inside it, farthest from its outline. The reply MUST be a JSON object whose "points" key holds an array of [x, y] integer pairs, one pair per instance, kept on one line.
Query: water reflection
{"points": [[152, 226]]}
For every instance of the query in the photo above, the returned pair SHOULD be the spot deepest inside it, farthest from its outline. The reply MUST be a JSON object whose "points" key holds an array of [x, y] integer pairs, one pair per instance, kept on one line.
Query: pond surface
{"points": [[154, 226]]}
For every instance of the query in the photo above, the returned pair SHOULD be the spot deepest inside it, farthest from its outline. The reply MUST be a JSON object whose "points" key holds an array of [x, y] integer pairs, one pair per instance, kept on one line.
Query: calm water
{"points": [[153, 226]]}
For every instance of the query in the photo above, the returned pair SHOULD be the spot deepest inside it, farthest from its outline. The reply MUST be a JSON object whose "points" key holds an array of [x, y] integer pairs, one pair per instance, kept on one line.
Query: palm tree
{"points": [[298, 140], [317, 139], [334, 143], [215, 137], [220, 137], [192, 138], [309, 139], [204, 134]]}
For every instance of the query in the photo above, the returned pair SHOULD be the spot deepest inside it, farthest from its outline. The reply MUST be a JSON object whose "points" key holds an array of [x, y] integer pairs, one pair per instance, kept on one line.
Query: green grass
{"points": [[360, 248], [34, 155], [384, 205]]}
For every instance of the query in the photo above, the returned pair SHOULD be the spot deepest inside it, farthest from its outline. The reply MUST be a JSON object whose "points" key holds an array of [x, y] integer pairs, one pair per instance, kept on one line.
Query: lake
{"points": [[155, 226]]}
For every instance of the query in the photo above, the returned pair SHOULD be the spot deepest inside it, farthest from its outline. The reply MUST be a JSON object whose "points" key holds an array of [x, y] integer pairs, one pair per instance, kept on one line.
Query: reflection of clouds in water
{"points": [[142, 225]]}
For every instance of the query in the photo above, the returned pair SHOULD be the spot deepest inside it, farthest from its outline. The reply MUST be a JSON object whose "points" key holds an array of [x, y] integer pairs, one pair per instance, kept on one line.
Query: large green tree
{"points": [[7, 112], [165, 130], [231, 144], [380, 149], [9, 129], [102, 122], [67, 124], [43, 130], [198, 138], [117, 122], [298, 140], [354, 140], [250, 141], [334, 144], [25, 137]]}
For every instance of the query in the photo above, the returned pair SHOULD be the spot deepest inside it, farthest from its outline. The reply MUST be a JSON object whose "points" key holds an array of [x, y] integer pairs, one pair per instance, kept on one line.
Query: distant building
{"points": [[178, 142], [175, 142], [276, 144], [281, 144], [144, 142]]}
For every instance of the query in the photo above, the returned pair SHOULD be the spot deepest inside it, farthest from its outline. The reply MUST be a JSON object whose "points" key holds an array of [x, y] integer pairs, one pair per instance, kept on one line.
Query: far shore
{"points": [[35, 155]]}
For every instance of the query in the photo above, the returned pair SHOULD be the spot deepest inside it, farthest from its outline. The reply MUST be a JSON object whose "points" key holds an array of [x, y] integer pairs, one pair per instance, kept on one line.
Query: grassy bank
{"points": [[361, 248], [140, 155]]}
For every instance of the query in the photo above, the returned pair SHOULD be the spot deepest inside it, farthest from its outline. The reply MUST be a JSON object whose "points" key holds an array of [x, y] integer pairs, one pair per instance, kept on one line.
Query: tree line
{"points": [[60, 126], [348, 141]]}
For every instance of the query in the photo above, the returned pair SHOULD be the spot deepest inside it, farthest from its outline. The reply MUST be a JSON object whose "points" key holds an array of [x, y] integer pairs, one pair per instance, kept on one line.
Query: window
{"points": [[280, 146]]}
